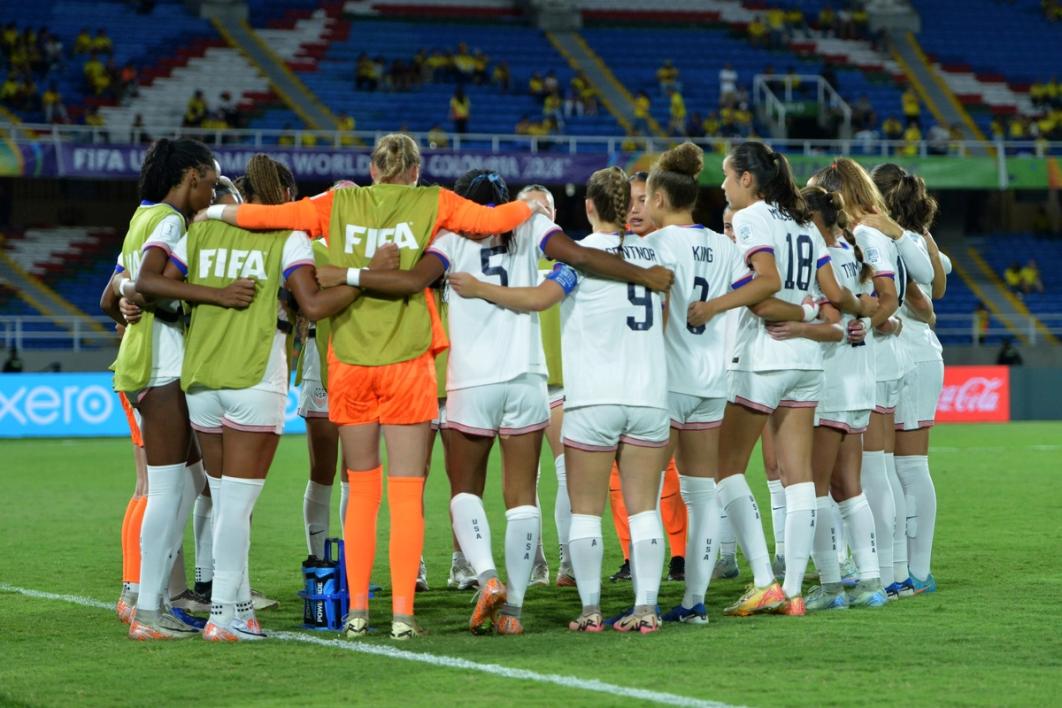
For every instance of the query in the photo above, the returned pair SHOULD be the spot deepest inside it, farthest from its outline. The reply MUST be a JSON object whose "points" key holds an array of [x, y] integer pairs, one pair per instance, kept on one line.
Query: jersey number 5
{"points": [[641, 297], [484, 259], [802, 256]]}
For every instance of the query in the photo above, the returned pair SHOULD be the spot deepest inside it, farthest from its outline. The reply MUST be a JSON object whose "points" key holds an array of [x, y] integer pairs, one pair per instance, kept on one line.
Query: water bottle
{"points": [[309, 567]]}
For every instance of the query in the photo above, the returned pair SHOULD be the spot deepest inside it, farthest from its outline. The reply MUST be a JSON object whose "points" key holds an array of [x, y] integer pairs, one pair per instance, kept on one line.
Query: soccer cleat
{"points": [[694, 615], [587, 622], [540, 573], [921, 586], [624, 572], [218, 633], [757, 600], [849, 573], [778, 567], [676, 569], [823, 598], [422, 577], [261, 602], [900, 589], [356, 625], [188, 619], [204, 588], [462, 576], [565, 578], [236, 630], [613, 619], [509, 625], [725, 568], [125, 608], [907, 588], [867, 593], [489, 599], [190, 601], [151, 625], [793, 606], [642, 620], [405, 627]]}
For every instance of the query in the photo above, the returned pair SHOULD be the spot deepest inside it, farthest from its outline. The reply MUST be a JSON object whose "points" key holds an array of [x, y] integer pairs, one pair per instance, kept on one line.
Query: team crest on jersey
{"points": [[744, 232], [231, 264], [400, 234], [871, 253]]}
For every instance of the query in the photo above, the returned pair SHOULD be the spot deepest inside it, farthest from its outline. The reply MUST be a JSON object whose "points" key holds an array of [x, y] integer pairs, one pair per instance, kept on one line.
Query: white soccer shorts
{"points": [[919, 391], [510, 408], [602, 428], [766, 390], [313, 399], [695, 412], [244, 409], [845, 421]]}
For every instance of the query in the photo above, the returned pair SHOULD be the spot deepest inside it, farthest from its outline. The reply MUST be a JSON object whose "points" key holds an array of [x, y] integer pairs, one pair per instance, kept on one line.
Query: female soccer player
{"points": [[236, 376], [176, 180], [842, 416], [706, 264], [779, 379], [914, 210], [672, 508], [618, 324], [495, 391], [893, 259], [381, 372]]}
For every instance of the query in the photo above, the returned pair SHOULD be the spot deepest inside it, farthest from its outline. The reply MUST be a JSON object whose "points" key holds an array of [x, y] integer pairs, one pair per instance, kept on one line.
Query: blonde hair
{"points": [[610, 192], [858, 191], [393, 155]]}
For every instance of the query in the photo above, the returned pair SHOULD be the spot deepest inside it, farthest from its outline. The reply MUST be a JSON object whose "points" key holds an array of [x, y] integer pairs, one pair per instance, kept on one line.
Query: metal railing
{"points": [[496, 142], [62, 333], [776, 109], [968, 326]]}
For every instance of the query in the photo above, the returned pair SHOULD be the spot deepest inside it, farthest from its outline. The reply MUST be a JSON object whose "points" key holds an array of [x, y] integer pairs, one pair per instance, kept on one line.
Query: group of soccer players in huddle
{"points": [[653, 343]]}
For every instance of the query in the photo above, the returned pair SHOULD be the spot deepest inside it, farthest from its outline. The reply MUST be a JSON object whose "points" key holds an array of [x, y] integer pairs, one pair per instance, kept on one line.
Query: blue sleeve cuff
{"points": [[441, 257], [823, 261], [181, 265], [545, 239]]}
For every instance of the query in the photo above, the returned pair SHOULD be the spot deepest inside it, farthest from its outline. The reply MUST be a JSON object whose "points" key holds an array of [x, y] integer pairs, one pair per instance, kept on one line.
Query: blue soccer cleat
{"points": [[921, 586], [693, 615]]}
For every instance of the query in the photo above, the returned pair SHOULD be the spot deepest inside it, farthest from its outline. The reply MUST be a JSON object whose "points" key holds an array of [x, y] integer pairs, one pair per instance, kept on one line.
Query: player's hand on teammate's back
{"points": [[130, 312], [785, 330], [385, 258], [464, 284], [659, 279], [237, 295], [699, 313]]}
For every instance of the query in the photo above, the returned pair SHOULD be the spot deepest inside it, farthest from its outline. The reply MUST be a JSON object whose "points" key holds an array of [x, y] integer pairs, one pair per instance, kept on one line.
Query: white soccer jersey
{"points": [[881, 255], [490, 344], [917, 337], [799, 252], [850, 371], [612, 334], [706, 265]]}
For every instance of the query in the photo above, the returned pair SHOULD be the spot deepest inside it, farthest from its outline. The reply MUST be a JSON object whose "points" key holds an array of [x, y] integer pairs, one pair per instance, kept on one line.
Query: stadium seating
{"points": [[1001, 250]]}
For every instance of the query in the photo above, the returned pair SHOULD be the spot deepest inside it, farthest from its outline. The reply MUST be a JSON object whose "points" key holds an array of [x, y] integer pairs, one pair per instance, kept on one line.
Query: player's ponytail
{"points": [[774, 179], [848, 178], [485, 187], [165, 165], [676, 173], [610, 193], [905, 196], [830, 208], [268, 181], [394, 155]]}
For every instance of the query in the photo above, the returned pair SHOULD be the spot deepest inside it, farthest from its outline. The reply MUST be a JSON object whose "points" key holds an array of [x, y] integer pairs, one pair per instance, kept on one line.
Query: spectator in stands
{"points": [[677, 112], [727, 83], [776, 34], [573, 102], [481, 62], [998, 128], [912, 139], [957, 137], [13, 365], [1018, 128], [437, 138], [743, 120], [93, 118], [892, 128], [1030, 278], [53, 52], [523, 126], [92, 69], [553, 107], [795, 22], [641, 113], [83, 43], [550, 84], [128, 81], [981, 318], [825, 22], [711, 125], [860, 23], [500, 76], [695, 126], [536, 86], [667, 77], [347, 126], [1009, 354], [632, 143], [912, 111], [365, 74], [287, 138], [460, 110], [757, 30], [938, 140], [1012, 276], [10, 94], [588, 94], [101, 43], [54, 110], [438, 66], [139, 131], [196, 110], [464, 64], [863, 115]]}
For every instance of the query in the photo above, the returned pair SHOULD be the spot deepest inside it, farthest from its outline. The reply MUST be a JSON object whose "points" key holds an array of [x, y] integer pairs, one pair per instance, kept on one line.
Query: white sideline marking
{"points": [[451, 662], [995, 448]]}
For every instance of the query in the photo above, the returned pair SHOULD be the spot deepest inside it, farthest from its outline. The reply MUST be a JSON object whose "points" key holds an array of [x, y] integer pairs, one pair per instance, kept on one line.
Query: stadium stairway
{"points": [[1014, 305], [35, 293], [614, 95], [930, 87], [988, 288]]}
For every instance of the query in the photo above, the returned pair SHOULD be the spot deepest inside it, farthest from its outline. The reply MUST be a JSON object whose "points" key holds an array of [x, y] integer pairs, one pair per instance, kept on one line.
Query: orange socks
{"points": [[619, 511], [405, 499], [673, 511], [359, 533], [134, 515]]}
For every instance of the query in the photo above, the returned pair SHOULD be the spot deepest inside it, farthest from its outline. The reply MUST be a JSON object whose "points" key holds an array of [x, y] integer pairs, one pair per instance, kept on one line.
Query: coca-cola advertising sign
{"points": [[975, 394]]}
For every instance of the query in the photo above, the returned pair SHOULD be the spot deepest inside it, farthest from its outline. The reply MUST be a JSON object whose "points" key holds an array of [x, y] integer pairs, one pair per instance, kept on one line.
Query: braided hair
{"points": [[485, 187], [166, 163]]}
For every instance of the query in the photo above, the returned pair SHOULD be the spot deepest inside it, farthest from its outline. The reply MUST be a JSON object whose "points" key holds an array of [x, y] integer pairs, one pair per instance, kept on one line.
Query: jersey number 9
{"points": [[644, 299]]}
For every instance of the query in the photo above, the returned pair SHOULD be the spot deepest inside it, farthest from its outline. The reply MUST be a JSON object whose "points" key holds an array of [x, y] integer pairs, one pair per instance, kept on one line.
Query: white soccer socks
{"points": [[878, 491], [736, 497], [778, 502], [702, 536], [647, 556], [316, 512], [562, 510], [232, 542], [586, 551], [521, 543], [824, 550], [862, 536], [473, 534], [899, 529], [165, 487], [921, 496], [799, 534]]}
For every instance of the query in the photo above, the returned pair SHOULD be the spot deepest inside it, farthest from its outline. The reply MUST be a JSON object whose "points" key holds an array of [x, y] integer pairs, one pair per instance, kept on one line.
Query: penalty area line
{"points": [[450, 662]]}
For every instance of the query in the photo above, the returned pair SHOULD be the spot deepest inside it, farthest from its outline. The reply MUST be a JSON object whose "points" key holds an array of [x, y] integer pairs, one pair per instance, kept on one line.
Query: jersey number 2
{"points": [[484, 259], [644, 299]]}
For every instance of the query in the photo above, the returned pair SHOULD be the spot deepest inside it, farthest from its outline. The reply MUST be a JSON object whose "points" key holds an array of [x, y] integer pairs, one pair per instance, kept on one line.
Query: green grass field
{"points": [[989, 636]]}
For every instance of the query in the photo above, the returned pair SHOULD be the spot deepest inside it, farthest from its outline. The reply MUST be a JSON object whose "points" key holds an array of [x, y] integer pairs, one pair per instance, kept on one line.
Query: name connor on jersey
{"points": [[400, 235], [223, 263]]}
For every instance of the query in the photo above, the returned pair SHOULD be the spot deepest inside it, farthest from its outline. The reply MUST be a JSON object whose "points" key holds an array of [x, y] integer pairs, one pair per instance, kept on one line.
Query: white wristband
{"points": [[354, 277], [126, 286], [810, 311], [216, 212]]}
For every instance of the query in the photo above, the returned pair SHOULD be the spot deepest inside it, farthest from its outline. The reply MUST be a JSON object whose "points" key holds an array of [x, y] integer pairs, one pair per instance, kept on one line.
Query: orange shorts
{"points": [[130, 417], [392, 394]]}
